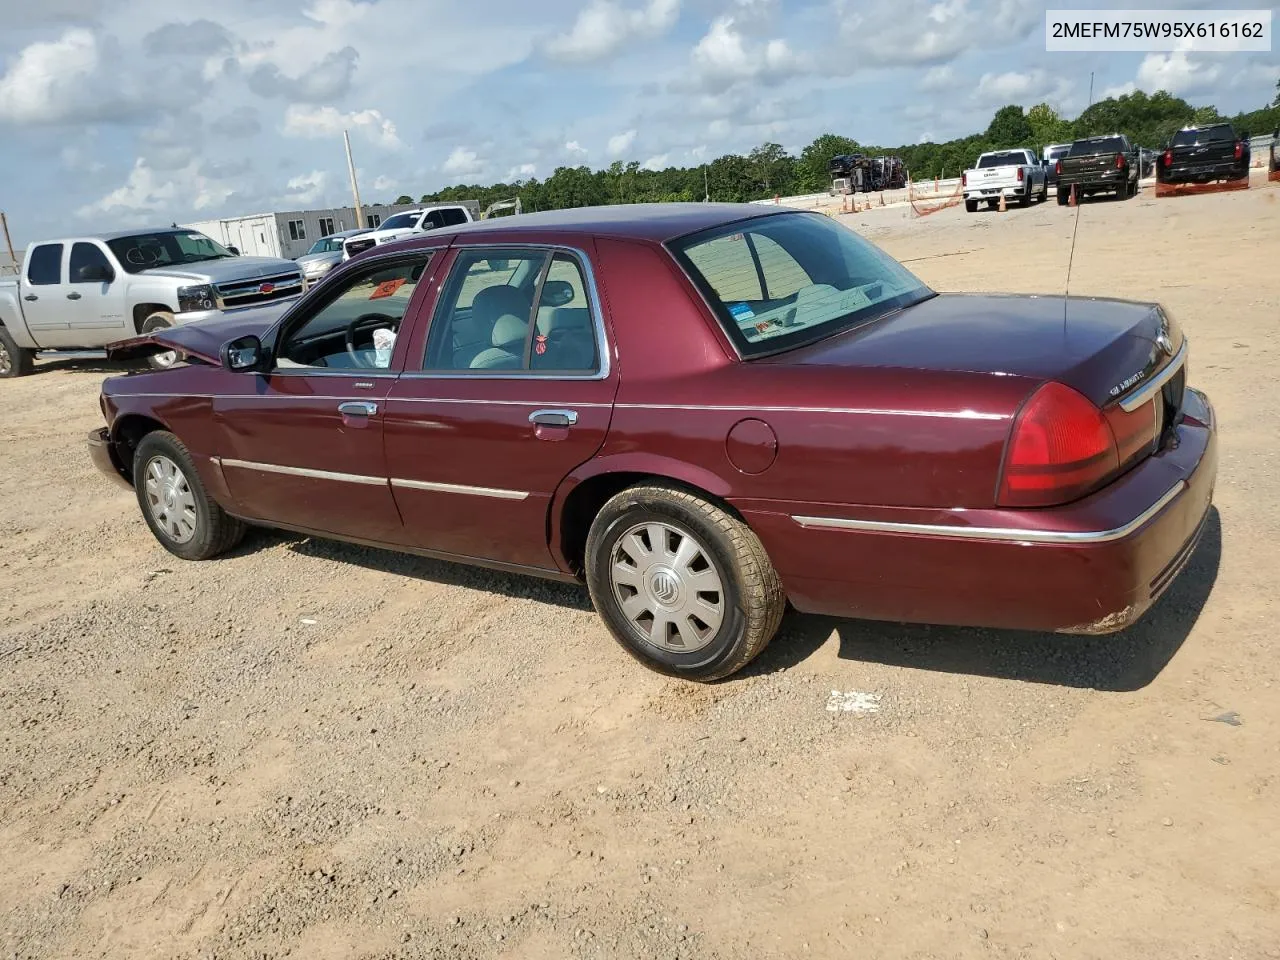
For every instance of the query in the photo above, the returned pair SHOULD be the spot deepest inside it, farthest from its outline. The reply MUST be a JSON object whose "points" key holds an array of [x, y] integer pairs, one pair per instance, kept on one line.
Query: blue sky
{"points": [[126, 112]]}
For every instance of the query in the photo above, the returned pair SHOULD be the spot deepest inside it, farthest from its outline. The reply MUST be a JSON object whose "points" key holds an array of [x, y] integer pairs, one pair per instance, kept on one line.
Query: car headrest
{"points": [[492, 302], [509, 329], [563, 318]]}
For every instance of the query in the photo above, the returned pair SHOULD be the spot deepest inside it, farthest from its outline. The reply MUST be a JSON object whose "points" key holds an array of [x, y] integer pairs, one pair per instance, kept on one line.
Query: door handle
{"points": [[554, 418], [73, 296], [358, 408], [31, 297]]}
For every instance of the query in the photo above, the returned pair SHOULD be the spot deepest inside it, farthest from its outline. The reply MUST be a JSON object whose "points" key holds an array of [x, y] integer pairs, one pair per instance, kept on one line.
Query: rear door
{"points": [[512, 389], [48, 301]]}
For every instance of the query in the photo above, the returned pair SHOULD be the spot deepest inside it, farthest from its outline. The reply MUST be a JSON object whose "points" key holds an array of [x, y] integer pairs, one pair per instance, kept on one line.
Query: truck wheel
{"points": [[971, 205], [160, 320], [15, 361], [181, 514], [684, 587], [1044, 191], [1063, 196], [992, 204]]}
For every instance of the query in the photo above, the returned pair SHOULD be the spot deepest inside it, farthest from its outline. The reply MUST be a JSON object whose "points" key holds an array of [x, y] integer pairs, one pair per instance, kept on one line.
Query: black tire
{"points": [[1044, 191], [750, 600], [971, 205], [993, 204], [213, 530], [160, 320], [15, 361], [1063, 197]]}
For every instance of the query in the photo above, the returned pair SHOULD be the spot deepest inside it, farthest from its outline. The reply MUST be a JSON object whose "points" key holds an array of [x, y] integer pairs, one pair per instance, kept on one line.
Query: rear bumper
{"points": [[1203, 172], [103, 454], [1109, 180], [1094, 566], [1023, 189]]}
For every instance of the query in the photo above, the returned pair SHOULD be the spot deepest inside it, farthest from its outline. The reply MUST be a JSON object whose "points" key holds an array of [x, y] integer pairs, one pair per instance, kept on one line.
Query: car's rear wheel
{"points": [[971, 205], [181, 514], [1063, 196], [15, 361], [160, 320], [684, 586]]}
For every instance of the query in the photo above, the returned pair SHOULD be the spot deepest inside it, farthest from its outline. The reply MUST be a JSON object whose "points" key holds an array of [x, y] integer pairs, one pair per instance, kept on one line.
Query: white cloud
{"points": [[722, 57], [1119, 90], [603, 26], [47, 81], [1176, 72], [385, 183], [336, 13], [463, 163], [523, 172], [316, 122], [621, 143], [659, 162], [305, 190], [938, 79], [923, 32], [575, 148], [150, 195], [1024, 87]]}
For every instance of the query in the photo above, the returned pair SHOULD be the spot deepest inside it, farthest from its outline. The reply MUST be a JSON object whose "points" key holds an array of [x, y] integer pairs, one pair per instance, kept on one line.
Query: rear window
{"points": [[778, 282], [1189, 138], [1007, 159], [1092, 148], [1055, 153]]}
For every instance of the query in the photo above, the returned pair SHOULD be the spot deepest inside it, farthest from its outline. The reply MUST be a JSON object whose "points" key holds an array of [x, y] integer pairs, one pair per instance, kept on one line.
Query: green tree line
{"points": [[768, 170]]}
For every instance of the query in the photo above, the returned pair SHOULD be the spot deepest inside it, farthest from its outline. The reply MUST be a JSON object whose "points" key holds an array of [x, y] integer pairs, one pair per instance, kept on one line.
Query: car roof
{"points": [[654, 222]]}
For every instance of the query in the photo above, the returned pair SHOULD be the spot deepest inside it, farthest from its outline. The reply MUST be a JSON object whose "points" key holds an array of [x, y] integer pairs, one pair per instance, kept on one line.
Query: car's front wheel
{"points": [[184, 518], [683, 585], [160, 320]]}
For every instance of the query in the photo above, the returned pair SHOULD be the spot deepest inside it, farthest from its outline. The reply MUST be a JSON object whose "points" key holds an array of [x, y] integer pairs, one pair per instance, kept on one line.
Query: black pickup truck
{"points": [[1096, 164], [1203, 154]]}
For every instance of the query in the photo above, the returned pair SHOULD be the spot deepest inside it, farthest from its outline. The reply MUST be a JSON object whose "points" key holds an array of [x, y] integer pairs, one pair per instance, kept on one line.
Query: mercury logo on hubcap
{"points": [[665, 587]]}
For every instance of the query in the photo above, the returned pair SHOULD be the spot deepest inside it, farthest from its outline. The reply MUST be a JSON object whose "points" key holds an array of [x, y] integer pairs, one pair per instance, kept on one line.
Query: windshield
{"points": [[1093, 148], [1191, 138], [400, 221], [1007, 159], [164, 249], [327, 245], [778, 282]]}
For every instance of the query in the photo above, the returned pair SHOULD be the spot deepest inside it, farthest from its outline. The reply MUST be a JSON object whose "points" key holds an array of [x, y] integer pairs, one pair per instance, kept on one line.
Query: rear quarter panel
{"points": [[11, 314]]}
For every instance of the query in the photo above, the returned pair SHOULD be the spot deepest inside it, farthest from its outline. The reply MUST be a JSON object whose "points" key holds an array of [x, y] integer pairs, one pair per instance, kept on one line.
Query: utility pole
{"points": [[355, 189], [1090, 88], [13, 258], [706, 188]]}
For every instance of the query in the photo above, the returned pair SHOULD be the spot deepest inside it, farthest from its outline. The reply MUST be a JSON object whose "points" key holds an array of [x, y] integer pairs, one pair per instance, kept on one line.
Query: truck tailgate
{"points": [[992, 178]]}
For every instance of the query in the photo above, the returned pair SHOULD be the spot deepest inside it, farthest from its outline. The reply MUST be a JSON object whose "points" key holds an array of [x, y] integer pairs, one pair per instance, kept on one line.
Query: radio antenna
{"points": [[1075, 229]]}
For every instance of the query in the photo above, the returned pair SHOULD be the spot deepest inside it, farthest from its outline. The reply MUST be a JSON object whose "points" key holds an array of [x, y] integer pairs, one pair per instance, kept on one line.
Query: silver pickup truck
{"points": [[85, 292]]}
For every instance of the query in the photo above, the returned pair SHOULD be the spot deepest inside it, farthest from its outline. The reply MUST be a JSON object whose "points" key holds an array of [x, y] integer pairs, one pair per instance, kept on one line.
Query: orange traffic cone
{"points": [[1071, 196], [1003, 206]]}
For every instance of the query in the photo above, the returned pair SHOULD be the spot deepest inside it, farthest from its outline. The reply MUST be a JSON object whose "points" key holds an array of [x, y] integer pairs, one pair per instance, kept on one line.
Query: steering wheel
{"points": [[370, 321]]}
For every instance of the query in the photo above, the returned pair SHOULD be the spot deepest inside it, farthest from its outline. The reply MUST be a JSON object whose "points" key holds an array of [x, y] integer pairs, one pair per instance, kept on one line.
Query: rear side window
{"points": [[453, 217], [86, 255], [1093, 148], [46, 265], [781, 281]]}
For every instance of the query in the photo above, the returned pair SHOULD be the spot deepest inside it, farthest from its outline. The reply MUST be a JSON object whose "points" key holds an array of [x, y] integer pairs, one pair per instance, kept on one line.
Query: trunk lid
{"points": [[1101, 348], [202, 340]]}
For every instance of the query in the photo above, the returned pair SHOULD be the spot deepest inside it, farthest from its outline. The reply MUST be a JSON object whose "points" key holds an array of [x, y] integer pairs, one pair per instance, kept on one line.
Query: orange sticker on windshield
{"points": [[386, 288]]}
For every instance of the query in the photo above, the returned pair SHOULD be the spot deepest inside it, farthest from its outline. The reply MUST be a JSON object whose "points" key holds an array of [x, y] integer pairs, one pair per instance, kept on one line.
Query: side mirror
{"points": [[234, 250], [242, 354], [95, 273]]}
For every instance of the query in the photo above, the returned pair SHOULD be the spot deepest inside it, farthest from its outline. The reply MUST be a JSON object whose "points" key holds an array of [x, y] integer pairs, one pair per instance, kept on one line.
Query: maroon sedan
{"points": [[703, 411]]}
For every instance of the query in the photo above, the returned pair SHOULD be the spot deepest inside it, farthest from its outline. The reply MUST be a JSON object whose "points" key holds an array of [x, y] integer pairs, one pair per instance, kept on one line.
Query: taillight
{"points": [[1135, 433], [1168, 158], [964, 179], [1057, 168], [1021, 174], [1239, 149], [1061, 449], [1119, 161]]}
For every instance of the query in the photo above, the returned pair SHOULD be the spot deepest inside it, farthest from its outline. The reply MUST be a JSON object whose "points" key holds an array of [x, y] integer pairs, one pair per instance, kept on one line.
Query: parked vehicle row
{"points": [[410, 223], [1014, 174], [809, 424], [85, 292]]}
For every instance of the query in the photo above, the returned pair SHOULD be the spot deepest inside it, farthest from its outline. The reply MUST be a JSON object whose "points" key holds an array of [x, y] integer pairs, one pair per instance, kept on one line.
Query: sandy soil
{"points": [[317, 750]]}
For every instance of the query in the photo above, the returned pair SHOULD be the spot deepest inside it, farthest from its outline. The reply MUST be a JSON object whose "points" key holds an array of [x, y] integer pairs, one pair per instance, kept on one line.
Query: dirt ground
{"points": [[322, 751]]}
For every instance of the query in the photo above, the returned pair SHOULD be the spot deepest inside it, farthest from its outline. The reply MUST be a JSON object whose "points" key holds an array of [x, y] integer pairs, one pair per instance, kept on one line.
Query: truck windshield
{"points": [[1191, 138], [167, 248], [400, 221], [782, 281], [1094, 148], [1009, 158]]}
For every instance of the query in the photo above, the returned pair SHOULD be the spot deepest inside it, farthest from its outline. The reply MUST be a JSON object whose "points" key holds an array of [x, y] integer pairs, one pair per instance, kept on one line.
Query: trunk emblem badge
{"points": [[1164, 343]]}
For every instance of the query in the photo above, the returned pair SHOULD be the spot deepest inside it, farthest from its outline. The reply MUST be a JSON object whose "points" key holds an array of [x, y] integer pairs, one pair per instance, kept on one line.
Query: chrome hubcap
{"points": [[166, 359], [667, 586], [6, 362], [170, 500]]}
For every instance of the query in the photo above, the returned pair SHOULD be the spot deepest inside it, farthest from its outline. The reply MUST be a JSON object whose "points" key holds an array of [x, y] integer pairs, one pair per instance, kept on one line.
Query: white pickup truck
{"points": [[410, 223], [1014, 174], [85, 292]]}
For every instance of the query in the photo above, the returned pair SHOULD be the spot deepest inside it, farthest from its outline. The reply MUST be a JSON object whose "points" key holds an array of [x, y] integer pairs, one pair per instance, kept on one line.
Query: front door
{"points": [[98, 302], [302, 445], [511, 391]]}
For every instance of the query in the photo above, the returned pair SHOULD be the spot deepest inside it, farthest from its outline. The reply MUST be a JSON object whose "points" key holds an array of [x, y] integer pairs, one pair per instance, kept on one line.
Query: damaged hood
{"points": [[202, 340]]}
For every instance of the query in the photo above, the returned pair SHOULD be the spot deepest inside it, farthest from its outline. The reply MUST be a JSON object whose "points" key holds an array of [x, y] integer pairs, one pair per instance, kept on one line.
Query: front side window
{"points": [[88, 256], [781, 281], [356, 327], [400, 221], [504, 311], [44, 265]]}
